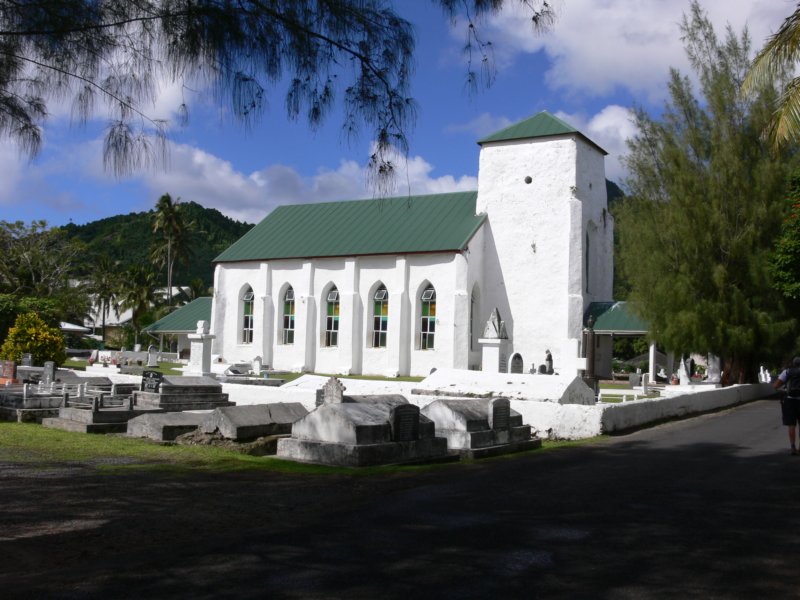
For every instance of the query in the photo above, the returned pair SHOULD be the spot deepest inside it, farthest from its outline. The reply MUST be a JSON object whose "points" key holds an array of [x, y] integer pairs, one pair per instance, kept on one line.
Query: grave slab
{"points": [[244, 423], [164, 426]]}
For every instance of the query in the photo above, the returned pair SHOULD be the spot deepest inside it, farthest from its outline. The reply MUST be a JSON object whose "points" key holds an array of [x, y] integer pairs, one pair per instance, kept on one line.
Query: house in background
{"points": [[400, 286]]}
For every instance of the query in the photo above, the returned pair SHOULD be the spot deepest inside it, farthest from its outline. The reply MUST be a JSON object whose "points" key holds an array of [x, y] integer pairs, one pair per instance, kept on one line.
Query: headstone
{"points": [[332, 391], [27, 360], [200, 350], [499, 413], [9, 369], [257, 365], [152, 356], [516, 364], [548, 361], [49, 373], [405, 423], [714, 374], [151, 381], [683, 373], [503, 364], [137, 347], [645, 383]]}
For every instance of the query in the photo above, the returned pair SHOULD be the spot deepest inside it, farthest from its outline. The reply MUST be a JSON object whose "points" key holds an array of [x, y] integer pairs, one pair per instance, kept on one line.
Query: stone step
{"points": [[80, 427]]}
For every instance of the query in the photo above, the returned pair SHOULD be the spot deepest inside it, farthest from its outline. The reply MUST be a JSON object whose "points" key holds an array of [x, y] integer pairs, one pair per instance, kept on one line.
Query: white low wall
{"points": [[566, 421]]}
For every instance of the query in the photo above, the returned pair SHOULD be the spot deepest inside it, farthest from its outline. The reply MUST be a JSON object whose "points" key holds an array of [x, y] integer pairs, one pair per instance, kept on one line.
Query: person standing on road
{"points": [[790, 403]]}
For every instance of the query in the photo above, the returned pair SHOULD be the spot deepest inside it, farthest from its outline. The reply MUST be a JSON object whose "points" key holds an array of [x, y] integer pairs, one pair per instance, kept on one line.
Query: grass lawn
{"points": [[40, 447]]}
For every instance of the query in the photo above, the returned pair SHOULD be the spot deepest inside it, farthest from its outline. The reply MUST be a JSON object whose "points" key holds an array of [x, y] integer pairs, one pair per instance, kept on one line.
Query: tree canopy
{"points": [[704, 210], [780, 56], [116, 51]]}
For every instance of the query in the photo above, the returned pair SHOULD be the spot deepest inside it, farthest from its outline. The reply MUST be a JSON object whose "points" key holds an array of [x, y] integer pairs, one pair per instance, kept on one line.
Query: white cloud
{"points": [[213, 182], [481, 126], [599, 46]]}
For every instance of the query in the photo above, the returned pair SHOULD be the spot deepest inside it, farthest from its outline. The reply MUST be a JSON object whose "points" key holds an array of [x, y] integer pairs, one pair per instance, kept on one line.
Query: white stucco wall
{"points": [[356, 279], [535, 258]]}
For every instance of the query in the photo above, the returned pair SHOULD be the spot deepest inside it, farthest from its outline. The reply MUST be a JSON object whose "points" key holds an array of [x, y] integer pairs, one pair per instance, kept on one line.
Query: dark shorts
{"points": [[790, 410]]}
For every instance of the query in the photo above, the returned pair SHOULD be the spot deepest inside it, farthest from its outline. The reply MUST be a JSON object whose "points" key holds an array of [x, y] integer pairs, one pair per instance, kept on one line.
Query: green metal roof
{"points": [[432, 223], [615, 317], [183, 319], [543, 124]]}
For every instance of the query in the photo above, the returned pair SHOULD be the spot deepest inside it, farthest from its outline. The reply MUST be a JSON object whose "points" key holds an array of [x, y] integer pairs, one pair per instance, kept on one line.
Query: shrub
{"points": [[30, 334]]}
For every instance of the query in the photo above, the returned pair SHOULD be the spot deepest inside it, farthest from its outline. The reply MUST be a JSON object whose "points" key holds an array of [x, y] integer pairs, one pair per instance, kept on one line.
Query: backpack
{"points": [[793, 383]]}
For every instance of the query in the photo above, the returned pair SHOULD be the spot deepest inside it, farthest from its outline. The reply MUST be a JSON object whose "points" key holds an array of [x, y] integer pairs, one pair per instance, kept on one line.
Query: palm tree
{"points": [[104, 286], [138, 294], [176, 237], [778, 58]]}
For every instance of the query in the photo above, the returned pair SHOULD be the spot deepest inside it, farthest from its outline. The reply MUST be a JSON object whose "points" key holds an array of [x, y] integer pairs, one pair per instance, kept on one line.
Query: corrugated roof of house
{"points": [[183, 319], [408, 224], [615, 317], [543, 124]]}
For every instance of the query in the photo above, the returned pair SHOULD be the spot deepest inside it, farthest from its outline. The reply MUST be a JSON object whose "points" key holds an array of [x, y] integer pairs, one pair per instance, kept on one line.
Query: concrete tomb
{"points": [[244, 423], [164, 426], [172, 393], [480, 427], [357, 431]]}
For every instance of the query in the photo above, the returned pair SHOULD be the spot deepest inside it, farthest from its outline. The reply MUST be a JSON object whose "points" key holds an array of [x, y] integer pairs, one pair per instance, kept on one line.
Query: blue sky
{"points": [[601, 58]]}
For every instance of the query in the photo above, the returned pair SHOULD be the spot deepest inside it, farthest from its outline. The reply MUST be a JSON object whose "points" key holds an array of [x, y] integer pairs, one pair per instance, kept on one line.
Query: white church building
{"points": [[400, 286]]}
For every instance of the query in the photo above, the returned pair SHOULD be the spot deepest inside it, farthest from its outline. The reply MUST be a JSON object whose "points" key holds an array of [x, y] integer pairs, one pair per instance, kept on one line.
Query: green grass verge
{"points": [[32, 444]]}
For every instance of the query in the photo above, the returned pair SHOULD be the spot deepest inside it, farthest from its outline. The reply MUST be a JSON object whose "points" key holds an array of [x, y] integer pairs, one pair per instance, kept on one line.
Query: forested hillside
{"points": [[127, 240]]}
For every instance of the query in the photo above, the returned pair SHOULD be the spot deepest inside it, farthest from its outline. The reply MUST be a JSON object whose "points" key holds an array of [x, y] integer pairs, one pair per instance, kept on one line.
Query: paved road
{"points": [[702, 508]]}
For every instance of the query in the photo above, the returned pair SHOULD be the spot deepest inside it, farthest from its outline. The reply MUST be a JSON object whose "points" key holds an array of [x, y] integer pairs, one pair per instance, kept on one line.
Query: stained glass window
{"points": [[380, 318], [247, 316], [332, 319], [427, 326], [288, 317]]}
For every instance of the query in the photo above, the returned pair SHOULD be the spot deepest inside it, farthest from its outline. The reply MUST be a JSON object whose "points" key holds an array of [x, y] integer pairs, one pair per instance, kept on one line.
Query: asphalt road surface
{"points": [[702, 508]]}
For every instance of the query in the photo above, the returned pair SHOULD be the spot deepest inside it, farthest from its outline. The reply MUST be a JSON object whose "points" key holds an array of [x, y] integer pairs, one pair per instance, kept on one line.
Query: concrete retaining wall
{"points": [[567, 421]]}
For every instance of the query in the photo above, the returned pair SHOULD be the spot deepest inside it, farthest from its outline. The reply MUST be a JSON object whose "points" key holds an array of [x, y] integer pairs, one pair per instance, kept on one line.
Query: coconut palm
{"points": [[175, 241], [104, 285], [780, 56], [138, 294]]}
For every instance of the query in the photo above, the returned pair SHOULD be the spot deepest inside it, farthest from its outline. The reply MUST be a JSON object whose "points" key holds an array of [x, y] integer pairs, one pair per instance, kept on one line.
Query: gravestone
{"points": [[333, 391], [151, 381], [200, 350], [516, 364], [152, 356], [9, 369], [499, 413], [49, 373], [257, 366], [405, 422], [27, 360]]}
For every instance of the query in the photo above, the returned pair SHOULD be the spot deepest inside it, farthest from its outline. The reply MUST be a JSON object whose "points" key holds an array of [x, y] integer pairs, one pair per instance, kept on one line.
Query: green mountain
{"points": [[127, 239]]}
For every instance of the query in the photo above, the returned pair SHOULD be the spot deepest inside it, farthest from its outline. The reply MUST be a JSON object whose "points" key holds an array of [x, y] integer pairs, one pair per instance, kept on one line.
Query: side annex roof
{"points": [[183, 319], [407, 224]]}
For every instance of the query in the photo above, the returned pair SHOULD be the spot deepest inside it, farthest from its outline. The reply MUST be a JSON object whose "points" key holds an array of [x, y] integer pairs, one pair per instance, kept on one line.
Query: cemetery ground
{"points": [[699, 508]]}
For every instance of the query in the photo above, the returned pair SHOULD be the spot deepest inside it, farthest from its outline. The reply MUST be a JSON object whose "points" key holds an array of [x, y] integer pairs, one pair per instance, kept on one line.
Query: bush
{"points": [[30, 334]]}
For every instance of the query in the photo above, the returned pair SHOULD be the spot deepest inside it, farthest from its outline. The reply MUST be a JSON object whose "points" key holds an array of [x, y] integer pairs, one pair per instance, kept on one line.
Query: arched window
{"points": [[380, 317], [288, 316], [247, 316], [427, 325], [332, 318]]}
